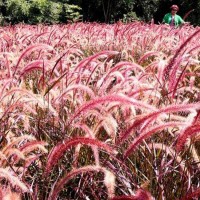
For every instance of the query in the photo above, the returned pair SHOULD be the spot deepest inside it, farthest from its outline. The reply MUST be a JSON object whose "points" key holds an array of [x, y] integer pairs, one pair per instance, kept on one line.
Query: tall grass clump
{"points": [[99, 111]]}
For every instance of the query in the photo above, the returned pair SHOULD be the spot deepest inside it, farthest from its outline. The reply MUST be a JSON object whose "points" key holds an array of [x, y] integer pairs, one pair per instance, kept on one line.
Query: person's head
{"points": [[174, 9]]}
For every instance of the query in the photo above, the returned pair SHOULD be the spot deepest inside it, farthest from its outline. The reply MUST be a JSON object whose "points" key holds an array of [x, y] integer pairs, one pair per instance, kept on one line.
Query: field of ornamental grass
{"points": [[94, 111]]}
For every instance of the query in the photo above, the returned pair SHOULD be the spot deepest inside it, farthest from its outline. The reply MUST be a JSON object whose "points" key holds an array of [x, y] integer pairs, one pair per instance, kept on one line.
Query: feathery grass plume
{"points": [[117, 68], [57, 152], [71, 50], [54, 67], [188, 132], [34, 65], [106, 64], [109, 181], [55, 82], [1, 193], [141, 90], [177, 81], [111, 83], [9, 74], [89, 134], [33, 98], [140, 195], [74, 88], [13, 152], [173, 73], [16, 140], [50, 35], [36, 36], [110, 98], [83, 64], [29, 49], [6, 85], [29, 160], [21, 91], [147, 55], [15, 182], [153, 115], [90, 168], [149, 133], [7, 194], [178, 51], [75, 157], [110, 125], [33, 145], [195, 194]]}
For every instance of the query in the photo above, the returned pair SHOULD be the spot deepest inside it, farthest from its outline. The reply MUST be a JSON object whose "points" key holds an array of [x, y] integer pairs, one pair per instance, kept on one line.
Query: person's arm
{"points": [[181, 22]]}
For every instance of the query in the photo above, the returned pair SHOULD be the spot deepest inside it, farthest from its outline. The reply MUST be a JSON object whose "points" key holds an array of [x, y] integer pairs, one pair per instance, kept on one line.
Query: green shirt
{"points": [[177, 19]]}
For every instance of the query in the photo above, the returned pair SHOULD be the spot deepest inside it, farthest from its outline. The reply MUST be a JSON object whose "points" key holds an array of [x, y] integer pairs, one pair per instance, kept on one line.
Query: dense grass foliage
{"points": [[98, 111]]}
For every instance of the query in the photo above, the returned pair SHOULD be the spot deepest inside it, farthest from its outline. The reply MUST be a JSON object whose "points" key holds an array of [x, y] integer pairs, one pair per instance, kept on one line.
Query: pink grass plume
{"points": [[57, 152]]}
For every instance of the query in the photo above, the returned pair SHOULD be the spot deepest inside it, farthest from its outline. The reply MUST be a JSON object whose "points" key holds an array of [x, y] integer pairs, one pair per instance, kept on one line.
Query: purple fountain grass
{"points": [[82, 66], [169, 67], [108, 83], [66, 53], [88, 134], [14, 180], [93, 71], [7, 84], [173, 154], [174, 86], [57, 152], [74, 88], [147, 55], [101, 87], [110, 98], [90, 168], [153, 115], [140, 195], [17, 140], [188, 132], [29, 49], [148, 134], [30, 146], [195, 194], [16, 155], [36, 36], [88, 131], [35, 65], [15, 105], [139, 91], [30, 98], [124, 64], [55, 82], [8, 67], [50, 35], [173, 73]]}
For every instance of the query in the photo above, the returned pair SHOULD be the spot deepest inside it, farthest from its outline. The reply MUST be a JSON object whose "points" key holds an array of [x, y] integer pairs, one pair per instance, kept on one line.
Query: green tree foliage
{"points": [[18, 10], [146, 8], [109, 11], [38, 11]]}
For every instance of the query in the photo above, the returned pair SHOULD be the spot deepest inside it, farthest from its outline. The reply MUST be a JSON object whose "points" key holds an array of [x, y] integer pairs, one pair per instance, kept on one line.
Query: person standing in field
{"points": [[172, 18]]}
